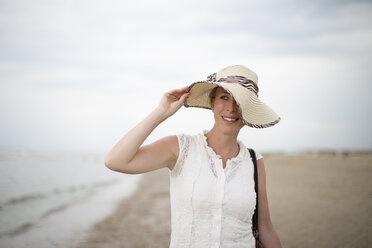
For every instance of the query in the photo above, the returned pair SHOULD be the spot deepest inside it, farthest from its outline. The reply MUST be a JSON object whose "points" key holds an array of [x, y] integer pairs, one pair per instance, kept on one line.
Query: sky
{"points": [[78, 74]]}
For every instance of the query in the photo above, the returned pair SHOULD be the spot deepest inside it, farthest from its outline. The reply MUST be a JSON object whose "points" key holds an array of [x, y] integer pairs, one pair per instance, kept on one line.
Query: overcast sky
{"points": [[77, 75]]}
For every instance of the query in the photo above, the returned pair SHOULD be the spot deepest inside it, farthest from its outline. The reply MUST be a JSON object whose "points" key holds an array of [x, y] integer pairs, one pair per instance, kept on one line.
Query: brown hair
{"points": [[212, 95]]}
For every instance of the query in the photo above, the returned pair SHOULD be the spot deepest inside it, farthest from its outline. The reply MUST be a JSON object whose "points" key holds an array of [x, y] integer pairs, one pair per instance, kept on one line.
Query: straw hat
{"points": [[241, 83]]}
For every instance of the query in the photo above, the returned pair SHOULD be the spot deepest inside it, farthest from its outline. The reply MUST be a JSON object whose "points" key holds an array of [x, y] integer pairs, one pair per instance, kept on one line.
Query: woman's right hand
{"points": [[172, 101], [129, 156]]}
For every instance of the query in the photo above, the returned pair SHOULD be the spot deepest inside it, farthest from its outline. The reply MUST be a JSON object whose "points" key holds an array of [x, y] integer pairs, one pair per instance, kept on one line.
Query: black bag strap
{"points": [[255, 215]]}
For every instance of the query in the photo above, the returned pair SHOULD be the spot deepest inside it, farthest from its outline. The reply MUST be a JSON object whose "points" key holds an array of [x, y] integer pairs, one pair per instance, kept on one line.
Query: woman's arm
{"points": [[267, 234], [128, 156]]}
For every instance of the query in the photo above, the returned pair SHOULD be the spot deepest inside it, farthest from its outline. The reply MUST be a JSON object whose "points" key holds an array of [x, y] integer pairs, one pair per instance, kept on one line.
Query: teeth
{"points": [[229, 119]]}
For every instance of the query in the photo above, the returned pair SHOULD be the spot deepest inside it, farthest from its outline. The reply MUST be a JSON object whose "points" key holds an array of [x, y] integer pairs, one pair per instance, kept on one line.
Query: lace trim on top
{"points": [[184, 145], [212, 156]]}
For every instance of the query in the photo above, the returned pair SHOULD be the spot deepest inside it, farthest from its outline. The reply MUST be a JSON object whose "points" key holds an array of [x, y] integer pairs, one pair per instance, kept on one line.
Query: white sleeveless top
{"points": [[211, 206]]}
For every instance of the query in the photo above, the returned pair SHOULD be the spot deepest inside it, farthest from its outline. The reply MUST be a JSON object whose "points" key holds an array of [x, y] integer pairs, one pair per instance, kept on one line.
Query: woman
{"points": [[211, 174]]}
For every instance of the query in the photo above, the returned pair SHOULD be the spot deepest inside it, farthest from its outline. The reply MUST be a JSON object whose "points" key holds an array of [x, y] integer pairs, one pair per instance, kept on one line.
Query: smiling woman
{"points": [[212, 186]]}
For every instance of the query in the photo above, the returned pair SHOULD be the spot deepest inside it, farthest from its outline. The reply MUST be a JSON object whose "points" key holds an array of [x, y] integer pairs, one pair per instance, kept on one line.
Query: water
{"points": [[51, 199]]}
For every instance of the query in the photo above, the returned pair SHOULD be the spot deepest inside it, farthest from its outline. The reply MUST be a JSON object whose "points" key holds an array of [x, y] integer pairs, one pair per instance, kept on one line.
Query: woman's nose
{"points": [[233, 106]]}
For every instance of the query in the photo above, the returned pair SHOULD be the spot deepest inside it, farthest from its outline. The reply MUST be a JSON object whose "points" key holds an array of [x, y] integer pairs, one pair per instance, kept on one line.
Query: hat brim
{"points": [[253, 111]]}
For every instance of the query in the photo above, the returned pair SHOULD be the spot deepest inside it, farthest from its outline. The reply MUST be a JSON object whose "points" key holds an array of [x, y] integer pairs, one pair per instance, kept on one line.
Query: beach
{"points": [[316, 200]]}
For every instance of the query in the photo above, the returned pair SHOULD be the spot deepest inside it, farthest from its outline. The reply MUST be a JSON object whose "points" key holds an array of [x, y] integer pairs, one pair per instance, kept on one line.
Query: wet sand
{"points": [[315, 201]]}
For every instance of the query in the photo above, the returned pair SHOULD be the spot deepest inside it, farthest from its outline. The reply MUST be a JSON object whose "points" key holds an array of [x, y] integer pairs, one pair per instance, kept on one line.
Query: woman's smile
{"points": [[230, 119]]}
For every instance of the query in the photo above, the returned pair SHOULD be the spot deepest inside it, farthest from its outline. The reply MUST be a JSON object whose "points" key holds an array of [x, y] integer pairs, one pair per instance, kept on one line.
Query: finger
{"points": [[183, 97], [185, 88]]}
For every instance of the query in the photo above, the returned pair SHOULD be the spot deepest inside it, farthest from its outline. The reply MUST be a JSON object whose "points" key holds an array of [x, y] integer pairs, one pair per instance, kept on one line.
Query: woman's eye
{"points": [[224, 97]]}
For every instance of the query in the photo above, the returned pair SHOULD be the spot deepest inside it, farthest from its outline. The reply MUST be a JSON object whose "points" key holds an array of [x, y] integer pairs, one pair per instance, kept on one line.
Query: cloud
{"points": [[71, 69]]}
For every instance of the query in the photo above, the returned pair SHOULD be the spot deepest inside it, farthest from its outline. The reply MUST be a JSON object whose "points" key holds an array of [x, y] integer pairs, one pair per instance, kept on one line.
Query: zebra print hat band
{"points": [[241, 83]]}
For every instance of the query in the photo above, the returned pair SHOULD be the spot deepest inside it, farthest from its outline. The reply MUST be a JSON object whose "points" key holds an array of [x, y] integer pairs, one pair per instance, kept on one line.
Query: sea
{"points": [[52, 199]]}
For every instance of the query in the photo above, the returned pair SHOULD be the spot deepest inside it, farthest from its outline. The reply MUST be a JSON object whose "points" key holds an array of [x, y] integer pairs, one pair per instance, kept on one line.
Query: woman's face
{"points": [[226, 111]]}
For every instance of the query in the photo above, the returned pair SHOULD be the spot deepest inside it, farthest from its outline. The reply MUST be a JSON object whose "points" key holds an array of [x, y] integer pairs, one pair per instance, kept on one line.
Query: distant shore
{"points": [[315, 201]]}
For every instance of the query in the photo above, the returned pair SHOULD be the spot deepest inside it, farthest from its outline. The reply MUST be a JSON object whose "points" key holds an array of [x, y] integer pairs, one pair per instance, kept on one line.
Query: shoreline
{"points": [[52, 199], [64, 225], [141, 220]]}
